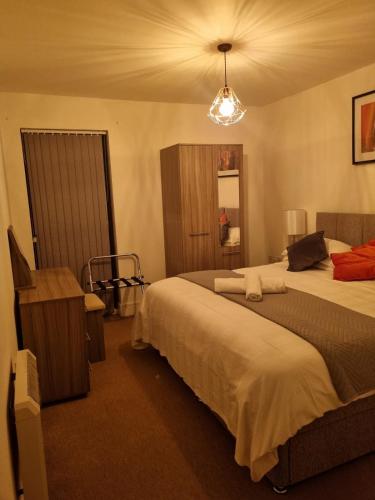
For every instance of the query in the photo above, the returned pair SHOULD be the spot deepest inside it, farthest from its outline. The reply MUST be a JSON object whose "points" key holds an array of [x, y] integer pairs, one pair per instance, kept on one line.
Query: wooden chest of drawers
{"points": [[52, 317]]}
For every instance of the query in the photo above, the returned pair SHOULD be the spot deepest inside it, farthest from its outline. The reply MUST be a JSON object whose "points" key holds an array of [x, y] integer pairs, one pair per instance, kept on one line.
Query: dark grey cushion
{"points": [[307, 252]]}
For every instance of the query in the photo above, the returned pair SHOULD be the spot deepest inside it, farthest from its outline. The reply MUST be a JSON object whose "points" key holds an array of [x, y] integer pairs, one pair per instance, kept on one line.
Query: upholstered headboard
{"points": [[353, 229]]}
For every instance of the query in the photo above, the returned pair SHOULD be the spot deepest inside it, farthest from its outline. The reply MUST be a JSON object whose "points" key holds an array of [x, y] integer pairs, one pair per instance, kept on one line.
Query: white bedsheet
{"points": [[264, 381]]}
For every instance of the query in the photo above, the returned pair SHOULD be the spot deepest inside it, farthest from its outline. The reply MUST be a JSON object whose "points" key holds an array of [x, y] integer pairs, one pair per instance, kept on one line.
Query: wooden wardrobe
{"points": [[202, 192]]}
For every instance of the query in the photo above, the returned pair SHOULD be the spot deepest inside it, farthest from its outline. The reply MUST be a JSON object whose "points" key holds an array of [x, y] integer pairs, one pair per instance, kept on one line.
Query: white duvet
{"points": [[264, 381]]}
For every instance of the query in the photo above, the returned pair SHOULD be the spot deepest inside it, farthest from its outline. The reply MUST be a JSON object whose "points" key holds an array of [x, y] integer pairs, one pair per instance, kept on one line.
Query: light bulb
{"points": [[226, 108]]}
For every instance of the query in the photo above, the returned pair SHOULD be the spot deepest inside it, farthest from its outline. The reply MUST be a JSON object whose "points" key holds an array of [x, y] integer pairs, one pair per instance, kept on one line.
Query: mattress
{"points": [[264, 382]]}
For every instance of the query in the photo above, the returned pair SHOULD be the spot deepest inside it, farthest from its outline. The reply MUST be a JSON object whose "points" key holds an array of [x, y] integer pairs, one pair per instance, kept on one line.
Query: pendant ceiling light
{"points": [[226, 108]]}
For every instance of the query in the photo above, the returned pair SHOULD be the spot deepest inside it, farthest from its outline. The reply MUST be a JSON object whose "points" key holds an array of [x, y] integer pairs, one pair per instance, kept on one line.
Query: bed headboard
{"points": [[353, 229]]}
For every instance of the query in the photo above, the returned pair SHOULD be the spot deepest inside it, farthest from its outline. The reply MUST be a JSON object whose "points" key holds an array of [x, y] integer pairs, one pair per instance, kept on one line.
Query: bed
{"points": [[271, 388]]}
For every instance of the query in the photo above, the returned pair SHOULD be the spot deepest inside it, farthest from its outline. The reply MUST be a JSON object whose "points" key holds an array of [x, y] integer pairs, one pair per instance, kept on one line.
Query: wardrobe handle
{"points": [[203, 233]]}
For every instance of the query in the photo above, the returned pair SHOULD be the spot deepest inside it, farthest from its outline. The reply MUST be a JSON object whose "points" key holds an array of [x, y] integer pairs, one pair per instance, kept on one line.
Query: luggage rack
{"points": [[116, 283]]}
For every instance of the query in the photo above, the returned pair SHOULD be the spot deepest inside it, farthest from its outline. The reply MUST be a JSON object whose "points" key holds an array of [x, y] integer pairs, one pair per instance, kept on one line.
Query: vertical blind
{"points": [[68, 199]]}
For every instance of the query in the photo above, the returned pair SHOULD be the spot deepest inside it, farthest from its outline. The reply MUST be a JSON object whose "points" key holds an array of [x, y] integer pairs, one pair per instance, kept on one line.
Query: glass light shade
{"points": [[295, 221], [226, 108]]}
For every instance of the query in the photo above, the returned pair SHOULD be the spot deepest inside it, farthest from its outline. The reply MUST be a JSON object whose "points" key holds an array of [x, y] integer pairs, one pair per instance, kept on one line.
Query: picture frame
{"points": [[363, 128], [227, 160]]}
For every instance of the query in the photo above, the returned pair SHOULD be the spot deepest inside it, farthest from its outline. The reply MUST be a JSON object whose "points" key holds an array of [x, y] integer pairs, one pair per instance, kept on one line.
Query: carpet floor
{"points": [[141, 434]]}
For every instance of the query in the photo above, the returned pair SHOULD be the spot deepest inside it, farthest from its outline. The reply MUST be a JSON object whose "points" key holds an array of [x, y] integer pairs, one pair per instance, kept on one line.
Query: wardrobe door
{"points": [[198, 206], [172, 216]]}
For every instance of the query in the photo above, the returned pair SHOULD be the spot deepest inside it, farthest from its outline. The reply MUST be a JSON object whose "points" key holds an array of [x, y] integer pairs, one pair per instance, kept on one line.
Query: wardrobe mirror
{"points": [[229, 200]]}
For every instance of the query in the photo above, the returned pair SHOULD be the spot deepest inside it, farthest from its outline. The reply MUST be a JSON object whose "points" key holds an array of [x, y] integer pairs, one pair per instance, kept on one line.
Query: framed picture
{"points": [[227, 160], [363, 118]]}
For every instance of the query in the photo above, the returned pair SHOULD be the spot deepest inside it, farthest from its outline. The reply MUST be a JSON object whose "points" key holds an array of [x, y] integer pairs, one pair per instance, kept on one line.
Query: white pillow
{"points": [[233, 237], [333, 246]]}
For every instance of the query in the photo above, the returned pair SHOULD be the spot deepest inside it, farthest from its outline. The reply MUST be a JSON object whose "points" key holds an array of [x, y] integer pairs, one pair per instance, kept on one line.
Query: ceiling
{"points": [[165, 50]]}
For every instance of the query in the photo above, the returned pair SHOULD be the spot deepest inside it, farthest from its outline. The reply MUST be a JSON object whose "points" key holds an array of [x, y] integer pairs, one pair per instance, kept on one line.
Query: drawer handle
{"points": [[231, 253], [88, 337], [203, 233]]}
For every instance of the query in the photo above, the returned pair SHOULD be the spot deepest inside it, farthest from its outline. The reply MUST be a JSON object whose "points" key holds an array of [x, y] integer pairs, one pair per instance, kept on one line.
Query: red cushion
{"points": [[371, 243], [356, 271], [346, 258], [359, 264], [367, 251]]}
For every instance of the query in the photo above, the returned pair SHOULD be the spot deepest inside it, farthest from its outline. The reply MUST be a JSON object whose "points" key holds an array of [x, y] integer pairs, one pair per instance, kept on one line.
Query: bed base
{"points": [[336, 438], [340, 436]]}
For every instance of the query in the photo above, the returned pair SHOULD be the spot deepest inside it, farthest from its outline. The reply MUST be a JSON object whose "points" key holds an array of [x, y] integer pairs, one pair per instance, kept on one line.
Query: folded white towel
{"points": [[273, 285], [230, 285], [253, 286]]}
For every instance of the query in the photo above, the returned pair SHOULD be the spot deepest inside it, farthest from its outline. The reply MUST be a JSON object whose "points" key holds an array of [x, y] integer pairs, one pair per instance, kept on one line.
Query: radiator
{"points": [[29, 428]]}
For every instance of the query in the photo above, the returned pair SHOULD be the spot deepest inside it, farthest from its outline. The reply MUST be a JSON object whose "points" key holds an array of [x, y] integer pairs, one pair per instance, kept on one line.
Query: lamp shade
{"points": [[295, 221], [226, 108]]}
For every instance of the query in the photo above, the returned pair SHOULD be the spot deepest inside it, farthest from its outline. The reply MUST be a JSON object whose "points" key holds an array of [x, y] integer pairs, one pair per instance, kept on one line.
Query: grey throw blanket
{"points": [[345, 338]]}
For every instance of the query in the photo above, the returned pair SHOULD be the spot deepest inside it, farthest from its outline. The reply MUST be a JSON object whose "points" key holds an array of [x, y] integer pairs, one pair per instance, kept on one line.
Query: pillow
{"points": [[344, 258], [233, 237], [284, 255], [359, 264], [306, 252], [371, 243], [332, 246], [356, 271], [366, 251]]}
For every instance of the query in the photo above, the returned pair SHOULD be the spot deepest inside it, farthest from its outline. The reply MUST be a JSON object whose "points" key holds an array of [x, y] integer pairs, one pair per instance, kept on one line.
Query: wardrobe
{"points": [[202, 189]]}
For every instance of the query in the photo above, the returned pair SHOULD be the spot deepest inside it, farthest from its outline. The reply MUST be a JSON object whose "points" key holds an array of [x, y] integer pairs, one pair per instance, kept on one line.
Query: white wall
{"points": [[137, 132], [307, 155], [7, 341]]}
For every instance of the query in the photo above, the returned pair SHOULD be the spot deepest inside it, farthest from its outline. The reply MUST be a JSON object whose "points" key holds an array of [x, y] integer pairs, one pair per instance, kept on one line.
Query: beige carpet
{"points": [[141, 435]]}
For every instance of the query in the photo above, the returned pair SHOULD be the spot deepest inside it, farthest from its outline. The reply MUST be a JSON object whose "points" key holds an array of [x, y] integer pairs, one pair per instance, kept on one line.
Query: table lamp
{"points": [[295, 223]]}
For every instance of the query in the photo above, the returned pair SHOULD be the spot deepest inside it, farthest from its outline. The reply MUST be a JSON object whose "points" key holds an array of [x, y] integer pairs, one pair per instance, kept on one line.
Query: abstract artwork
{"points": [[363, 132]]}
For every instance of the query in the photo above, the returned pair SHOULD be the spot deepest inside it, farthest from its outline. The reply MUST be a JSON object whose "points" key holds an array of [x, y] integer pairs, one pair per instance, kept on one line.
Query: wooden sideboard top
{"points": [[51, 284]]}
